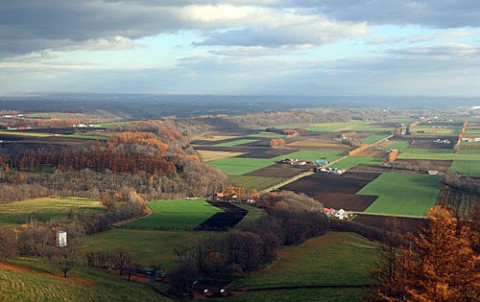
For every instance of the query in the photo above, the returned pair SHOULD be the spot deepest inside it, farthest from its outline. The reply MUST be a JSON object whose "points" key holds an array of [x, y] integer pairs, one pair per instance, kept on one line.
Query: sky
{"points": [[241, 47]]}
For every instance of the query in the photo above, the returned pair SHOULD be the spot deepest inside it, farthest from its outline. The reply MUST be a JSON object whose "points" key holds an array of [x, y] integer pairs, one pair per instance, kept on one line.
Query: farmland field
{"points": [[310, 143], [440, 154], [316, 154], [402, 194], [253, 214], [174, 215], [22, 133], [336, 191], [21, 212], [353, 161], [466, 167], [346, 126], [399, 145], [214, 138], [38, 282], [373, 138], [335, 259], [268, 135], [241, 166], [208, 155], [462, 202], [306, 294], [236, 143], [255, 182], [151, 247]]}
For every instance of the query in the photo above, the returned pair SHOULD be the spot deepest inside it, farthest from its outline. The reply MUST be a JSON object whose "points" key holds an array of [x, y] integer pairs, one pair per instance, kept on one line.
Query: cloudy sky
{"points": [[295, 47]]}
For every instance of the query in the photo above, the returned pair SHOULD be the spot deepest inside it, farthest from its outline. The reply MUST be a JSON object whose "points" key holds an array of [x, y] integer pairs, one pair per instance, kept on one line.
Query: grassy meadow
{"points": [[255, 182], [402, 194], [20, 212], [174, 215], [241, 166], [32, 280], [147, 247], [335, 259]]}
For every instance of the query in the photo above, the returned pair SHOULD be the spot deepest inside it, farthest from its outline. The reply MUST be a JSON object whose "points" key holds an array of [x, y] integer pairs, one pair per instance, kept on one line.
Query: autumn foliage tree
{"points": [[439, 264], [277, 143]]}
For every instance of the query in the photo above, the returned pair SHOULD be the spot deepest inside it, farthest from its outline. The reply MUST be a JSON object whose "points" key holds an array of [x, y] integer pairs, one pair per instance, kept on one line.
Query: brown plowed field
{"points": [[372, 152], [401, 224], [249, 152], [461, 202], [430, 164], [336, 191], [380, 169], [427, 143], [311, 144], [279, 170]]}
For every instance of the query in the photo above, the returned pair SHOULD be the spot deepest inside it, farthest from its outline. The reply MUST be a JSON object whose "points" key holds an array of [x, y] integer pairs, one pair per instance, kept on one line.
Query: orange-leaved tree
{"points": [[439, 264]]}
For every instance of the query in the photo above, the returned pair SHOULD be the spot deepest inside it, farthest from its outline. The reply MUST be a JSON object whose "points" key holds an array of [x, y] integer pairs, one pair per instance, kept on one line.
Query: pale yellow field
{"points": [[213, 138], [215, 155], [21, 133]]}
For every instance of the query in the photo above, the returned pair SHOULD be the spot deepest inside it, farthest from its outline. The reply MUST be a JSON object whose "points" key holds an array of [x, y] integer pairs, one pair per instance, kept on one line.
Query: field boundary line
{"points": [[288, 181], [386, 215]]}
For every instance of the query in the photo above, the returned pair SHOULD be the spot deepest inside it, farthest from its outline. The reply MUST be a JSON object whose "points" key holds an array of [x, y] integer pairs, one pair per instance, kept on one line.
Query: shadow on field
{"points": [[224, 220]]}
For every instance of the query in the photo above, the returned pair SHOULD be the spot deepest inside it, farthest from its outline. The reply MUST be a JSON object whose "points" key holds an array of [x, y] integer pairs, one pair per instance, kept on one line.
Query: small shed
{"points": [[61, 239]]}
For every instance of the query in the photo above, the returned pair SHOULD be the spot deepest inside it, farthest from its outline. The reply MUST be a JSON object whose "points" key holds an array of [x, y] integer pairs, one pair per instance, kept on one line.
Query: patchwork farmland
{"points": [[370, 185]]}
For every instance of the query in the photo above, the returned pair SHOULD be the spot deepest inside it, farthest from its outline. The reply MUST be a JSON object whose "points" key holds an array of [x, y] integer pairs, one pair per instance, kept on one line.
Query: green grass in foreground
{"points": [[236, 143], [330, 260], [353, 161], [241, 166], [301, 294], [403, 194], [44, 209], [255, 182], [147, 247], [174, 215], [466, 167], [39, 282]]}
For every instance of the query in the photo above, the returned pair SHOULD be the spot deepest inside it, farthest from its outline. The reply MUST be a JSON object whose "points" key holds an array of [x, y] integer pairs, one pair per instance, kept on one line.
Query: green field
{"points": [[253, 214], [402, 194], [20, 212], [89, 137], [268, 135], [255, 182], [315, 154], [400, 146], [174, 215], [346, 126], [38, 282], [353, 161], [466, 167], [334, 259], [241, 166], [440, 154], [147, 247], [236, 142], [373, 138], [436, 130], [301, 294]]}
